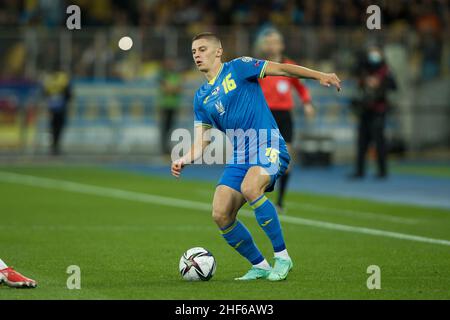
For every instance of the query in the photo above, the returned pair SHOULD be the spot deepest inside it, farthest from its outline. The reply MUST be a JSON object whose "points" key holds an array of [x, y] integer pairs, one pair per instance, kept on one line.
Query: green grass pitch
{"points": [[129, 249]]}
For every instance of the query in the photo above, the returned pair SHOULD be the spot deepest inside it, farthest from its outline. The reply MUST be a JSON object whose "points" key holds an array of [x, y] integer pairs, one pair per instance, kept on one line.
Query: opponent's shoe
{"points": [[255, 273], [280, 269], [14, 279]]}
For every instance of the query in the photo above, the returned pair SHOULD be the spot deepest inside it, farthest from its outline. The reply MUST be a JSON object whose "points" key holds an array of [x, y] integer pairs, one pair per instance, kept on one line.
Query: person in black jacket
{"points": [[375, 80]]}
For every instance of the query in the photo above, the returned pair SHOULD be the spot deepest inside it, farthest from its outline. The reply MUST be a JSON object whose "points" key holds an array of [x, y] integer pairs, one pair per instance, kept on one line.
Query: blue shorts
{"points": [[234, 174]]}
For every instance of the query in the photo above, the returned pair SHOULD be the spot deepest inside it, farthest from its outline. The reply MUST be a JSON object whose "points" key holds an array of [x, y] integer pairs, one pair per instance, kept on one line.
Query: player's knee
{"points": [[220, 217], [249, 192]]}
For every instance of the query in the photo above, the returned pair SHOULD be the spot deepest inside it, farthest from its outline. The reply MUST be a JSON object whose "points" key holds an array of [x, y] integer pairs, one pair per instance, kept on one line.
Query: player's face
{"points": [[272, 45], [204, 53]]}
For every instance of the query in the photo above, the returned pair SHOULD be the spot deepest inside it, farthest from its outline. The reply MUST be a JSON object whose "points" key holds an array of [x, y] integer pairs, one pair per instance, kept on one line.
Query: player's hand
{"points": [[330, 79], [309, 110], [177, 166]]}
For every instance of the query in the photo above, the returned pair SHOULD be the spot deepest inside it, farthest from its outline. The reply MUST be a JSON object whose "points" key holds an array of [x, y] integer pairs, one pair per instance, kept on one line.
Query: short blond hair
{"points": [[208, 35]]}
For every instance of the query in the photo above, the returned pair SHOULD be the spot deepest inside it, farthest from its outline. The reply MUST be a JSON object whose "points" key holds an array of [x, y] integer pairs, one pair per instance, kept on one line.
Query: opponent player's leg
{"points": [[226, 205], [380, 143], [283, 183], [286, 126], [13, 279], [363, 146], [253, 187]]}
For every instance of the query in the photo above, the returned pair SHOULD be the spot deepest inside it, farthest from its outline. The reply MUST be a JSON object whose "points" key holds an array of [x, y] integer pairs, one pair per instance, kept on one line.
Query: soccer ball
{"points": [[197, 264]]}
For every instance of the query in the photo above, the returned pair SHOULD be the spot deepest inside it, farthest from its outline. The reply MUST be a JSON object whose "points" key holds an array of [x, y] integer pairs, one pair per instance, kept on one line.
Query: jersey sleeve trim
{"points": [[263, 69], [213, 80]]}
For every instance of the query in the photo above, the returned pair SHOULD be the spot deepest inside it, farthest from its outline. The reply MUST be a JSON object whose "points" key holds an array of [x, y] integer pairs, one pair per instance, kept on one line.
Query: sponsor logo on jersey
{"points": [[215, 91], [238, 244]]}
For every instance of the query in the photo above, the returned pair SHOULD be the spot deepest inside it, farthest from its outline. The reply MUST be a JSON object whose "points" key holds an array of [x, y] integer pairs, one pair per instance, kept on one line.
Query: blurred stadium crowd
{"points": [[421, 25], [324, 34], [420, 14]]}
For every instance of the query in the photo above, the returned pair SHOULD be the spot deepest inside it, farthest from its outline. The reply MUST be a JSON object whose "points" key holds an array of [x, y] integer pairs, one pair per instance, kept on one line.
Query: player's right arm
{"points": [[202, 126], [201, 141]]}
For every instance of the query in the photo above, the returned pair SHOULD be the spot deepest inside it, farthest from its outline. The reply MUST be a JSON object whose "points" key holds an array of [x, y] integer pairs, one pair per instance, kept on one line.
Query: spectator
{"points": [[169, 102], [375, 80]]}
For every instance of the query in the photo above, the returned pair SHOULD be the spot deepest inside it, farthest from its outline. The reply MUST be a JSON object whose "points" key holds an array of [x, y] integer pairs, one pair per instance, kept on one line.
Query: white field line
{"points": [[196, 205], [364, 215], [109, 228], [354, 213]]}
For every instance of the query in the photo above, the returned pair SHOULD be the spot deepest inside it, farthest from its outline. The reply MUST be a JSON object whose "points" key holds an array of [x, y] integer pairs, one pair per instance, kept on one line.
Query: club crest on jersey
{"points": [[219, 107]]}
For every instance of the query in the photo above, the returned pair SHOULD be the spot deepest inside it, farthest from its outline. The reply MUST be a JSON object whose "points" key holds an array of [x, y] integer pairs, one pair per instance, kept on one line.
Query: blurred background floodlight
{"points": [[125, 43]]}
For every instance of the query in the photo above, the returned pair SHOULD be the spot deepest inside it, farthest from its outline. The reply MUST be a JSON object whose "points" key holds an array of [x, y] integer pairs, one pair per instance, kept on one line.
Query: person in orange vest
{"points": [[278, 93]]}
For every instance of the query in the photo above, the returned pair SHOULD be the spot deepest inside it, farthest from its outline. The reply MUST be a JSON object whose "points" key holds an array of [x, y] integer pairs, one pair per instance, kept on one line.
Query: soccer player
{"points": [[230, 100], [278, 93], [13, 279]]}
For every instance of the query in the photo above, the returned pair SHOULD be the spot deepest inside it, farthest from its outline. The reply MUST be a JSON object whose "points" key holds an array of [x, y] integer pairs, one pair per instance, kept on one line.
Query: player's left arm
{"points": [[295, 71]]}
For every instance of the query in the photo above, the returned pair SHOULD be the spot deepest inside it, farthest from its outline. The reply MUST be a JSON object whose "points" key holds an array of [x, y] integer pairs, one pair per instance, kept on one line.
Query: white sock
{"points": [[2, 265], [263, 265], [282, 254]]}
